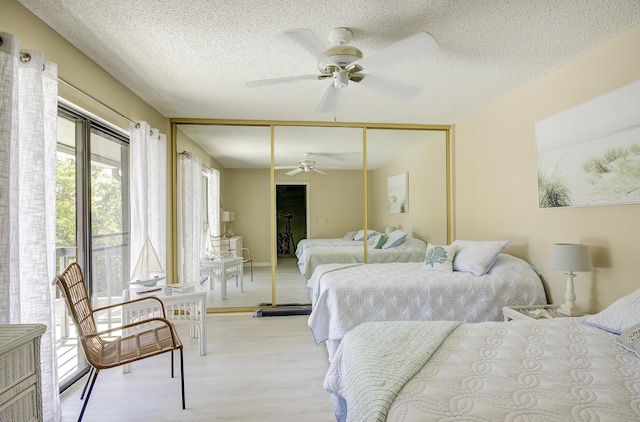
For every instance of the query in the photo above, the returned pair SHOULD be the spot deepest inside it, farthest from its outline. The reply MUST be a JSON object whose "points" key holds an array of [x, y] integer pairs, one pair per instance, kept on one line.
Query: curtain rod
{"points": [[97, 100], [188, 155]]}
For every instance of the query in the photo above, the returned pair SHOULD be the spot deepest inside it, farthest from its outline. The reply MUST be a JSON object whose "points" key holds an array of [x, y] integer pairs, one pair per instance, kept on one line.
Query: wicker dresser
{"points": [[20, 387]]}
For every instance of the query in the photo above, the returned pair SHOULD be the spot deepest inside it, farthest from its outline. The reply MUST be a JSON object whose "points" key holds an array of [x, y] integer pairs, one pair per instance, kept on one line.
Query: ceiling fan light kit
{"points": [[343, 63]]}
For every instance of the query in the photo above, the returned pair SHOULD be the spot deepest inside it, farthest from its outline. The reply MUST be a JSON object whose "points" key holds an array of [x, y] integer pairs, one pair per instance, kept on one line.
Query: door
{"points": [[291, 227]]}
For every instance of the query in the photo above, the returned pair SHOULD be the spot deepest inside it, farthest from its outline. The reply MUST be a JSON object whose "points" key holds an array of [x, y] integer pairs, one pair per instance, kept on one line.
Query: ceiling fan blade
{"points": [[327, 102], [421, 43], [292, 172], [275, 81], [285, 167], [308, 40], [392, 88], [318, 171]]}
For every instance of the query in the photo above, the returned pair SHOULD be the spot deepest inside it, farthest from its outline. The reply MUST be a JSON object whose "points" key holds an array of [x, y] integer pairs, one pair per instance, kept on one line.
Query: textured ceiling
{"points": [[191, 58]]}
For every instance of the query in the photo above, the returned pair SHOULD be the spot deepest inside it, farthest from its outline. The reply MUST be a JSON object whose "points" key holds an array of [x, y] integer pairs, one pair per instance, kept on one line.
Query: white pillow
{"points": [[622, 314], [477, 257], [360, 234], [630, 339], [440, 258], [349, 236], [394, 239]]}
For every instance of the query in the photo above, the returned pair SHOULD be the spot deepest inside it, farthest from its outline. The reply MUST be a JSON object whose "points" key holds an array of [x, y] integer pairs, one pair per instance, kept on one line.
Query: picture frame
{"points": [[398, 194], [589, 155]]}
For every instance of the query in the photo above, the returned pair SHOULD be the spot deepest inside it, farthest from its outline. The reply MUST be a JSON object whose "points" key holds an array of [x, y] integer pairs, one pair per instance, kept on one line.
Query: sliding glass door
{"points": [[92, 222]]}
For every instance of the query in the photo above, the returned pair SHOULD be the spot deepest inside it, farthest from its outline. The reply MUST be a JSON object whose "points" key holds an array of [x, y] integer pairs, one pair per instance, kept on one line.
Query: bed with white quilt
{"points": [[355, 238], [562, 369], [345, 296], [381, 247]]}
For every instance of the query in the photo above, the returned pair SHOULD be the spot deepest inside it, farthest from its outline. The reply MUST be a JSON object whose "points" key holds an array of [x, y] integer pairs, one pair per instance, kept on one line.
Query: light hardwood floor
{"points": [[291, 287], [256, 369]]}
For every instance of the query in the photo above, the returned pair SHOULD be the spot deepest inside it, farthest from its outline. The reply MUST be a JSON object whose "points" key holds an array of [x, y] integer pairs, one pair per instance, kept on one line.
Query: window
{"points": [[92, 221]]}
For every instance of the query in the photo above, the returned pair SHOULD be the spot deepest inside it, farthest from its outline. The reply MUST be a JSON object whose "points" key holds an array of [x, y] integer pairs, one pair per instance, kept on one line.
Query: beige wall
{"points": [[246, 192], [80, 71], [335, 201], [427, 216], [495, 179]]}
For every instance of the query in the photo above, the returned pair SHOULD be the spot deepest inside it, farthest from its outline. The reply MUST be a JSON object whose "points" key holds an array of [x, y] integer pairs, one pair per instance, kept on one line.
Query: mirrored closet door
{"points": [[283, 182]]}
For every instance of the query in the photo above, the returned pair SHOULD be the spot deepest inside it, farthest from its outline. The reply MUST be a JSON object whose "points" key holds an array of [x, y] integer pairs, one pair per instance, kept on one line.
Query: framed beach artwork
{"points": [[398, 194], [590, 154]]}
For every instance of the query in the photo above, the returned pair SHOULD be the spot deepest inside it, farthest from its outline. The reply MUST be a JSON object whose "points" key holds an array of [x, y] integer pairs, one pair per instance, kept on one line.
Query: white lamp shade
{"points": [[228, 216], [570, 257], [390, 229]]}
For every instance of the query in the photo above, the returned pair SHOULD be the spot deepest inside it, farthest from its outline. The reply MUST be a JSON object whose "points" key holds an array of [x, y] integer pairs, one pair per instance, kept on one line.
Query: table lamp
{"points": [[228, 217], [569, 257]]}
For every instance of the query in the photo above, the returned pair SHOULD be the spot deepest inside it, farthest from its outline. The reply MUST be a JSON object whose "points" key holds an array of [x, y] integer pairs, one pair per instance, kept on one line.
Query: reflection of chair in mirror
{"points": [[245, 254], [116, 346], [222, 264], [221, 246]]}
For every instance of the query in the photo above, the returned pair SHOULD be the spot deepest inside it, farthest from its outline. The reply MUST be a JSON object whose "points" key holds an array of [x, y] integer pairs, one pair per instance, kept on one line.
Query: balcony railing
{"points": [[107, 284]]}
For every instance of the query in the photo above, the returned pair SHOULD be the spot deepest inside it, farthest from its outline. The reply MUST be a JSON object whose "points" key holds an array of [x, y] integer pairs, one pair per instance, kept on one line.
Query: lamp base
{"points": [[570, 309]]}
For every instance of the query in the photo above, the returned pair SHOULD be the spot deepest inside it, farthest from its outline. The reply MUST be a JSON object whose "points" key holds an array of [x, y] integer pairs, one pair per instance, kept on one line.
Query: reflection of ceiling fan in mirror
{"points": [[342, 63], [306, 165]]}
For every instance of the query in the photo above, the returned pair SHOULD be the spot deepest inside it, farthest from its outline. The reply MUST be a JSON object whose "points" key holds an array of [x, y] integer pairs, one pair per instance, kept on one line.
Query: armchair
{"points": [[117, 346]]}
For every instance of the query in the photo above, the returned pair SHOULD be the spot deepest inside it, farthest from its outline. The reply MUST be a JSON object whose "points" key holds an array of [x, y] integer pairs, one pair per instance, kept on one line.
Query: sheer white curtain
{"points": [[191, 218], [213, 197], [28, 113], [148, 185]]}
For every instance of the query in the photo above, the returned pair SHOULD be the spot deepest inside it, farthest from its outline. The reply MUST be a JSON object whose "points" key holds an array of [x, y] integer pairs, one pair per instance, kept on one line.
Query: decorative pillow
{"points": [[440, 258], [360, 234], [394, 239], [477, 257], [349, 236], [619, 316], [630, 339], [373, 239], [381, 241]]}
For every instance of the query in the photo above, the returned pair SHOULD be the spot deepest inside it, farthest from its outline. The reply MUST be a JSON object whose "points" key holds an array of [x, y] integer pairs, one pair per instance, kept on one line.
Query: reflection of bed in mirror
{"points": [[381, 248], [346, 295], [562, 369]]}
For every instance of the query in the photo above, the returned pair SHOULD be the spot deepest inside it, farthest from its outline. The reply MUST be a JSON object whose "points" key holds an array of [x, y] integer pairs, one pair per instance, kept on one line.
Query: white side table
{"points": [[181, 308], [221, 269], [532, 312]]}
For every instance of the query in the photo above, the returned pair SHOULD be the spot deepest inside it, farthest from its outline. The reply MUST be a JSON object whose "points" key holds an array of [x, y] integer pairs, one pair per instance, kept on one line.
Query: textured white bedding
{"points": [[412, 250], [326, 243], [348, 297], [544, 370]]}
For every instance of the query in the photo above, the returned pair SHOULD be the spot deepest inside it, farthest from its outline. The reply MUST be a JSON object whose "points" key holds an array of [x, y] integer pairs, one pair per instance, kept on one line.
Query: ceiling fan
{"points": [[306, 165], [343, 63]]}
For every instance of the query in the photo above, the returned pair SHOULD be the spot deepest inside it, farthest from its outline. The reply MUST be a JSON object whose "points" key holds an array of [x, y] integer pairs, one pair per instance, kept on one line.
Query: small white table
{"points": [[222, 268], [181, 308], [532, 312]]}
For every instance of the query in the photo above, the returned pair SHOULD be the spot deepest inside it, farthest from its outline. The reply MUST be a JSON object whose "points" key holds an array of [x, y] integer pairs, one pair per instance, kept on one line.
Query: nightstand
{"points": [[532, 312]]}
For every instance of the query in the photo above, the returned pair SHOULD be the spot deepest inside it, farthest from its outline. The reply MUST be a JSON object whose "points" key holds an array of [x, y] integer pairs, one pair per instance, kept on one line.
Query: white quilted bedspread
{"points": [[545, 370], [412, 250], [408, 292]]}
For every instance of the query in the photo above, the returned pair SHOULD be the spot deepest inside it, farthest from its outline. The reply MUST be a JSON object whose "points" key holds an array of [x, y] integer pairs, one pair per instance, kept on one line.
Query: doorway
{"points": [[291, 212]]}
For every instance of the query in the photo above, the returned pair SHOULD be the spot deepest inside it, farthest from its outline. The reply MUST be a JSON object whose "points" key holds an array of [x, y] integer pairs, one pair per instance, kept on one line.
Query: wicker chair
{"points": [[131, 342]]}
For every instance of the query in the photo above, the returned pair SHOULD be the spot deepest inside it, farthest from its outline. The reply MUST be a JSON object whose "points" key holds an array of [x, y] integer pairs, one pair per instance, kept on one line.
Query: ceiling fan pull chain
{"points": [[334, 105]]}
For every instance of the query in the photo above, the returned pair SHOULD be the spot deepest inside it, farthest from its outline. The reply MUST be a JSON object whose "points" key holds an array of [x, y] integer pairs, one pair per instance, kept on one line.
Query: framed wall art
{"points": [[590, 154]]}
